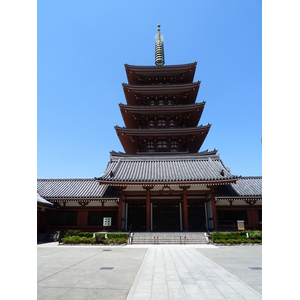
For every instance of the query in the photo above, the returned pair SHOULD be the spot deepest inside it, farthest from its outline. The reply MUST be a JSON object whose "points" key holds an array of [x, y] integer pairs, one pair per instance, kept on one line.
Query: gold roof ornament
{"points": [[159, 48]]}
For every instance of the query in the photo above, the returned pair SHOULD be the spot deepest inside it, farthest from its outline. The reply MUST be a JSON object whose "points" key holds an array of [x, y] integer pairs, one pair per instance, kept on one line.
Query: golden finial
{"points": [[159, 48]]}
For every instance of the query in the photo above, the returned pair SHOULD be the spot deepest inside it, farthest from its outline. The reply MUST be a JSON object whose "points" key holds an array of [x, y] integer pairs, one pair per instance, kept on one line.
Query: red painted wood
{"points": [[120, 212], [148, 211]]}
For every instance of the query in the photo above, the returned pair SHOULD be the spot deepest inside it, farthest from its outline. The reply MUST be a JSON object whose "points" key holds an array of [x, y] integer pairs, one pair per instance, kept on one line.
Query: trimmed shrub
{"points": [[255, 236], [78, 237], [79, 233], [78, 240], [114, 241]]}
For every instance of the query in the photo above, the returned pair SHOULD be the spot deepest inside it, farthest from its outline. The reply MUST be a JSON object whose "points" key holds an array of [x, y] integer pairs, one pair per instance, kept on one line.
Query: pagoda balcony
{"points": [[172, 74], [162, 116], [159, 95], [162, 140]]}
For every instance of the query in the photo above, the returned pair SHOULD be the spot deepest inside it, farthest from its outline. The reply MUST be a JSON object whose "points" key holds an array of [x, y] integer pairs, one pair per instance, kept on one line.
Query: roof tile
{"points": [[165, 168], [73, 188]]}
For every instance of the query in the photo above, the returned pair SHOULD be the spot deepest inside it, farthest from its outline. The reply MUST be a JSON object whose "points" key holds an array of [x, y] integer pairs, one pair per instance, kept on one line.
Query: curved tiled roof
{"points": [[158, 69], [167, 168], [248, 186], [149, 154], [41, 201], [76, 188]]}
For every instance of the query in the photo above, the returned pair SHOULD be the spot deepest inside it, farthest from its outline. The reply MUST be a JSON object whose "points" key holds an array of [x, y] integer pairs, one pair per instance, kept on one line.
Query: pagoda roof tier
{"points": [[135, 116], [175, 93], [166, 170], [160, 74], [202, 153], [188, 139]]}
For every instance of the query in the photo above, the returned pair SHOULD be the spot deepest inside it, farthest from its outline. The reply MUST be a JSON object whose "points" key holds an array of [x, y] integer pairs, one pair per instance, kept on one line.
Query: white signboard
{"points": [[106, 221]]}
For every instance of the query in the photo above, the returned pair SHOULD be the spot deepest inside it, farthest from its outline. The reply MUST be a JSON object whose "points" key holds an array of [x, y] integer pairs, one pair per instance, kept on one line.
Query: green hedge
{"points": [[114, 241], [112, 235], [255, 236], [78, 240], [79, 237], [79, 233]]}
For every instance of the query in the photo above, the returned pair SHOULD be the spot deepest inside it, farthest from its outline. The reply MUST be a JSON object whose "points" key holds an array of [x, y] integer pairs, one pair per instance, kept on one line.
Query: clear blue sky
{"points": [[82, 47]]}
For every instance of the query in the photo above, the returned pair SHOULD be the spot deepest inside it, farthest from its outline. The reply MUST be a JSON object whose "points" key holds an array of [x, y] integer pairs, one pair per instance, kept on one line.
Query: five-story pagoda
{"points": [[161, 114], [164, 183]]}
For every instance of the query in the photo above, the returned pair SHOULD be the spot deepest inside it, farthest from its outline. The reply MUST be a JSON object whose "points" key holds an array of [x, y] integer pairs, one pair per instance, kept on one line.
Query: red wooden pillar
{"points": [[255, 218], [185, 221], [85, 217], [214, 211], [120, 210], [252, 215], [148, 207], [82, 216], [148, 211], [79, 218]]}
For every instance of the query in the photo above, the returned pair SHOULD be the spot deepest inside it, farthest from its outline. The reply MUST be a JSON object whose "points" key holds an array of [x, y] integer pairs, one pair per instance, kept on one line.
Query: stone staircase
{"points": [[161, 238]]}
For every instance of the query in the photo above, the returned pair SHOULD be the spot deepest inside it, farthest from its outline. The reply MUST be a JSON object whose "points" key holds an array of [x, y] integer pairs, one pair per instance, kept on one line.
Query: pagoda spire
{"points": [[159, 48]]}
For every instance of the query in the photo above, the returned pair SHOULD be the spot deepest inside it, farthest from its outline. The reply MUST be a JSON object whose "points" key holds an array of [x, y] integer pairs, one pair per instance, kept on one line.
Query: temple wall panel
{"points": [[198, 188], [223, 203], [134, 188], [111, 204], [236, 203], [90, 204], [95, 204]]}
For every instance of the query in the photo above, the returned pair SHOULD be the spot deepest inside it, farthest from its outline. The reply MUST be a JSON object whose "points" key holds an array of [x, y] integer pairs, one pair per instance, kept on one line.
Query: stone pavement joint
{"points": [[148, 272], [185, 273]]}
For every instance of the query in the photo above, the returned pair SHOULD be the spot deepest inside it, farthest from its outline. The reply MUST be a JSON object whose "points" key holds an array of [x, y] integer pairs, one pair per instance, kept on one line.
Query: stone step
{"points": [[169, 238]]}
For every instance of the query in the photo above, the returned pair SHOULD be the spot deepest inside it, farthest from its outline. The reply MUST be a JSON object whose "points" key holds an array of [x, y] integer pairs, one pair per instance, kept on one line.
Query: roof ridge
{"points": [[161, 67], [91, 178], [251, 176], [165, 157]]}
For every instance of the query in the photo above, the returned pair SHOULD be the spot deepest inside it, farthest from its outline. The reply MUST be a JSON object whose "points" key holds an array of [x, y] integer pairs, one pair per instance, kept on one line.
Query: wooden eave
{"points": [[134, 93], [240, 198], [132, 114], [166, 183], [82, 199], [129, 137], [202, 153], [135, 72], [162, 132]]}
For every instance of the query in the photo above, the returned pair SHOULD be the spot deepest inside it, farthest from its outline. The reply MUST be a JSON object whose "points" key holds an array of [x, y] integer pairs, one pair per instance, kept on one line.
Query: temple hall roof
{"points": [[191, 169], [245, 187], [43, 202], [74, 188]]}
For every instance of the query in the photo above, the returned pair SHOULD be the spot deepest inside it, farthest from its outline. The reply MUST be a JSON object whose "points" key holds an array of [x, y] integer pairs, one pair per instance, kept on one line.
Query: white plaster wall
{"points": [[91, 204], [223, 203], [172, 187], [111, 204], [236, 203], [198, 188]]}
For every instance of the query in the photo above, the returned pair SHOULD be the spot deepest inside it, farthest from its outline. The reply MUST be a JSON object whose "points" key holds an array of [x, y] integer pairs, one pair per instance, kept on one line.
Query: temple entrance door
{"points": [[136, 217], [196, 215], [166, 217]]}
